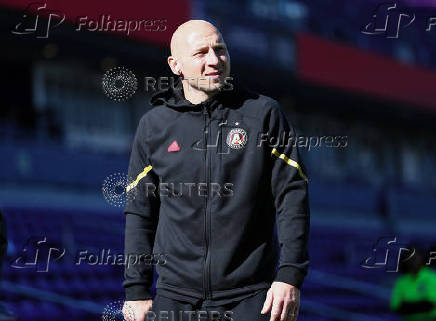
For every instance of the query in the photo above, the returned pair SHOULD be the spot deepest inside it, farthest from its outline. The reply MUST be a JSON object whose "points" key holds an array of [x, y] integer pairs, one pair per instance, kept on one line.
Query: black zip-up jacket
{"points": [[208, 181]]}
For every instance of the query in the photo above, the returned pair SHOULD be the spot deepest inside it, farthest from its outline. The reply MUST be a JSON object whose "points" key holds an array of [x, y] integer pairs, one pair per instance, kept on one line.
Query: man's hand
{"points": [[284, 300], [136, 310]]}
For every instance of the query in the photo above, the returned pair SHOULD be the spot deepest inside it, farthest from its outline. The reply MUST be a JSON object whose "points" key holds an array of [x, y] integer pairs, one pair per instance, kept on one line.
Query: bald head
{"points": [[185, 33], [198, 51]]}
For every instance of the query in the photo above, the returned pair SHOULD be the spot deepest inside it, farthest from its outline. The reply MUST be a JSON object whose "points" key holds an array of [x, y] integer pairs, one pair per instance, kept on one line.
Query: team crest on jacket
{"points": [[237, 138]]}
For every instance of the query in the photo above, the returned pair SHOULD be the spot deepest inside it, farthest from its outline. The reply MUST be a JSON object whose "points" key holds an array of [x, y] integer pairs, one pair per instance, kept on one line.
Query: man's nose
{"points": [[212, 58]]}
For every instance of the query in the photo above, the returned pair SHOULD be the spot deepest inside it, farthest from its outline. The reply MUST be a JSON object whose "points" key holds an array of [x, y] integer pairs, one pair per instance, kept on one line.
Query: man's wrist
{"points": [[290, 275], [138, 292]]}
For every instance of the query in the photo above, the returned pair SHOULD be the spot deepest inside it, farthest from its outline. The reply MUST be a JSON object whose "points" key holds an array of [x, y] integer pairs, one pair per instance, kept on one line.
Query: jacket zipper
{"points": [[206, 276]]}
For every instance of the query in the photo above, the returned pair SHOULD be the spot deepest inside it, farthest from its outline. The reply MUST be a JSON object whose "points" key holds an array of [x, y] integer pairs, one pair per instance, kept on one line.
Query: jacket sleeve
{"points": [[289, 185], [141, 213]]}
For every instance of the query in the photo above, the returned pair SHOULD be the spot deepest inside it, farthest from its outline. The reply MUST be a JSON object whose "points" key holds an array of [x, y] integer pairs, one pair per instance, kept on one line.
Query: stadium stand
{"points": [[60, 138]]}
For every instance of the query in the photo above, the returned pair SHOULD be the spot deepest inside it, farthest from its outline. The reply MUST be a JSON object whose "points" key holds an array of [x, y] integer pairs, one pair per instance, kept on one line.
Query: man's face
{"points": [[204, 59]]}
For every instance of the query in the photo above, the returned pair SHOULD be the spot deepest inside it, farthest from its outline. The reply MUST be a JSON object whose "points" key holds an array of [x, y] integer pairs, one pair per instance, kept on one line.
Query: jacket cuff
{"points": [[290, 275], [138, 292]]}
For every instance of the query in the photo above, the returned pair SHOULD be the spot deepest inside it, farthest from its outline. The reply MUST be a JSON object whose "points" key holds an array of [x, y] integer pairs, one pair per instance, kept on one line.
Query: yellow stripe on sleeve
{"points": [[289, 162], [138, 178]]}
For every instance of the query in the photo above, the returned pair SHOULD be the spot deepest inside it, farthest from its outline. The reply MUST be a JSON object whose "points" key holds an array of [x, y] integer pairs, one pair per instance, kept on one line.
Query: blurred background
{"points": [[62, 140]]}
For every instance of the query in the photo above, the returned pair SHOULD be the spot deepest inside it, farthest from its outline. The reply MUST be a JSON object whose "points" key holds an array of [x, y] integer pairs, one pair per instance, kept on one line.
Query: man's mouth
{"points": [[213, 74]]}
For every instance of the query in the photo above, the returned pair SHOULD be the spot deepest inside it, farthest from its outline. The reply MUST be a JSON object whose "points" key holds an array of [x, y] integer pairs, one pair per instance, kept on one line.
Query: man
{"points": [[414, 294], [210, 141]]}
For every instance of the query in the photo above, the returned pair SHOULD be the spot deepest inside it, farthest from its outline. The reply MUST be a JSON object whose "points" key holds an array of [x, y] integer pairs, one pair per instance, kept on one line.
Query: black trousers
{"points": [[167, 309]]}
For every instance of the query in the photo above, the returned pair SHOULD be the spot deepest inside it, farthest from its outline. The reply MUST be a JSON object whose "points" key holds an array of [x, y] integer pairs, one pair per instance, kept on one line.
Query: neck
{"points": [[196, 96]]}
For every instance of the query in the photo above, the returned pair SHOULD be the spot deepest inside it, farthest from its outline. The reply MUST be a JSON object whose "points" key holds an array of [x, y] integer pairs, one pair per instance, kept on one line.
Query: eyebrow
{"points": [[218, 44]]}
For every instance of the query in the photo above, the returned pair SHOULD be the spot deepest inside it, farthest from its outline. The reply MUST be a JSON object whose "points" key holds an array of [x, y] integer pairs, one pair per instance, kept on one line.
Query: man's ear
{"points": [[174, 65]]}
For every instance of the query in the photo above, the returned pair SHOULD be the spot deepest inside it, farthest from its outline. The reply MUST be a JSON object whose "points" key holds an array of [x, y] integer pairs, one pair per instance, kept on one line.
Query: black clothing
{"points": [[207, 185]]}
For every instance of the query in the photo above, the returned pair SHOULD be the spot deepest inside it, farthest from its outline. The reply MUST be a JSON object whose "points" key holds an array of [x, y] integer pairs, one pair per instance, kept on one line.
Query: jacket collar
{"points": [[174, 97]]}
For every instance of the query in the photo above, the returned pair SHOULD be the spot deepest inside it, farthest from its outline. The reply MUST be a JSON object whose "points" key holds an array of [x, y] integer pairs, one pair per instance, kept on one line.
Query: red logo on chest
{"points": [[174, 147]]}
